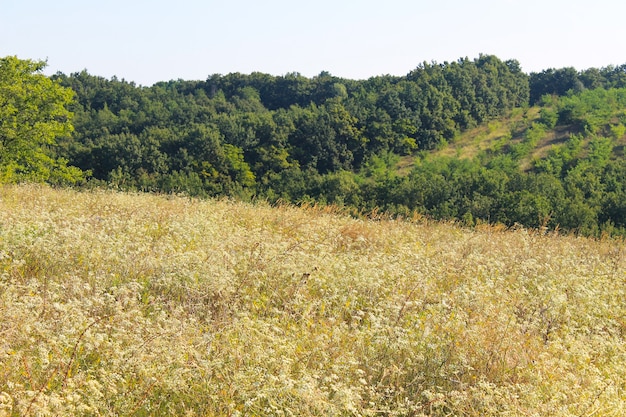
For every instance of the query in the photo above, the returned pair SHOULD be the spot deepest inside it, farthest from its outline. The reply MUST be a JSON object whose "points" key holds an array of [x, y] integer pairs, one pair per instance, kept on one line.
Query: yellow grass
{"points": [[118, 304]]}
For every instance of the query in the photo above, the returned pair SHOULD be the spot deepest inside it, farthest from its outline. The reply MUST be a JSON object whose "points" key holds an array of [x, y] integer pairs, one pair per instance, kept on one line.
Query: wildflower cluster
{"points": [[124, 304]]}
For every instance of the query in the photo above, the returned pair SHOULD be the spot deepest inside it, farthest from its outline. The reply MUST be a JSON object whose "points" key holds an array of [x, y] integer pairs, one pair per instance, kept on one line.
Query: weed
{"points": [[133, 304]]}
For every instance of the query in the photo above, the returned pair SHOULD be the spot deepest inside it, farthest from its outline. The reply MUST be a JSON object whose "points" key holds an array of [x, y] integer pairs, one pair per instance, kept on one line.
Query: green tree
{"points": [[33, 115]]}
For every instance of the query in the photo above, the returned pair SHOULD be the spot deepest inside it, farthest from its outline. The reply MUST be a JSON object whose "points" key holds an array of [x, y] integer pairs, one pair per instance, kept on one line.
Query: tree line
{"points": [[255, 134], [338, 141]]}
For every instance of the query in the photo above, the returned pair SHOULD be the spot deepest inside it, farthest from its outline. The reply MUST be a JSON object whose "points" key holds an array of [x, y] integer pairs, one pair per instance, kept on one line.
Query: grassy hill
{"points": [[132, 304], [503, 134]]}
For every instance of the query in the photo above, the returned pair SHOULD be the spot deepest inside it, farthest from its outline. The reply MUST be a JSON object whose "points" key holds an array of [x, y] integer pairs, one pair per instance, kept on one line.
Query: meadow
{"points": [[118, 304]]}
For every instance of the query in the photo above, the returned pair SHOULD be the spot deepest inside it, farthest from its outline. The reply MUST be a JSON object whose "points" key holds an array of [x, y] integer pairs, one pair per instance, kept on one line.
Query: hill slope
{"points": [[471, 146], [121, 304]]}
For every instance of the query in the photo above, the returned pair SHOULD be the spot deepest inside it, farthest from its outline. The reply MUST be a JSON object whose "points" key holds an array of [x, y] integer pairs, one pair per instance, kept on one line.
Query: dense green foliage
{"points": [[562, 81], [276, 137], [33, 113], [558, 162], [577, 184]]}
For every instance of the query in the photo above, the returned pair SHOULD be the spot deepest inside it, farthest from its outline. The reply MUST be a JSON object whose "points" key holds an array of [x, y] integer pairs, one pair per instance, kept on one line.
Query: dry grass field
{"points": [[140, 305]]}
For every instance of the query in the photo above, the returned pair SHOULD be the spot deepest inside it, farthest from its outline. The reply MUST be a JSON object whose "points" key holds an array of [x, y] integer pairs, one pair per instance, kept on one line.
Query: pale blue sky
{"points": [[146, 41]]}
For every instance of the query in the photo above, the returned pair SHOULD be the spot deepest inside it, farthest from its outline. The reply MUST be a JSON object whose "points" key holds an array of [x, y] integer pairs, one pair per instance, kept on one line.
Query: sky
{"points": [[146, 41]]}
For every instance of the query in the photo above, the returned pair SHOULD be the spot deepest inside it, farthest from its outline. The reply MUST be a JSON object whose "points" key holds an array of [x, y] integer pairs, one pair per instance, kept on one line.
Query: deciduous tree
{"points": [[33, 114]]}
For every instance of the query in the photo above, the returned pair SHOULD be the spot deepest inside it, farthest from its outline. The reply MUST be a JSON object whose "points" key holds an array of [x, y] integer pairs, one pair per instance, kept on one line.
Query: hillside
{"points": [[557, 165], [146, 305], [500, 136], [476, 141]]}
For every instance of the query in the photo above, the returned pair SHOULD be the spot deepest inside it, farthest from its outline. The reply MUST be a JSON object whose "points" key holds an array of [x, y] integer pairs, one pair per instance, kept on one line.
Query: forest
{"points": [[550, 144]]}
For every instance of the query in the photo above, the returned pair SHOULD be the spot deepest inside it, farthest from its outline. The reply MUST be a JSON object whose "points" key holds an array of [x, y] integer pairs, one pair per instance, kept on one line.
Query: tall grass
{"points": [[122, 304]]}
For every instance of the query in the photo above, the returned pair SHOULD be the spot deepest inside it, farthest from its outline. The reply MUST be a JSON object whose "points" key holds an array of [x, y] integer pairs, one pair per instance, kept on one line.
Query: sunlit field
{"points": [[144, 305]]}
